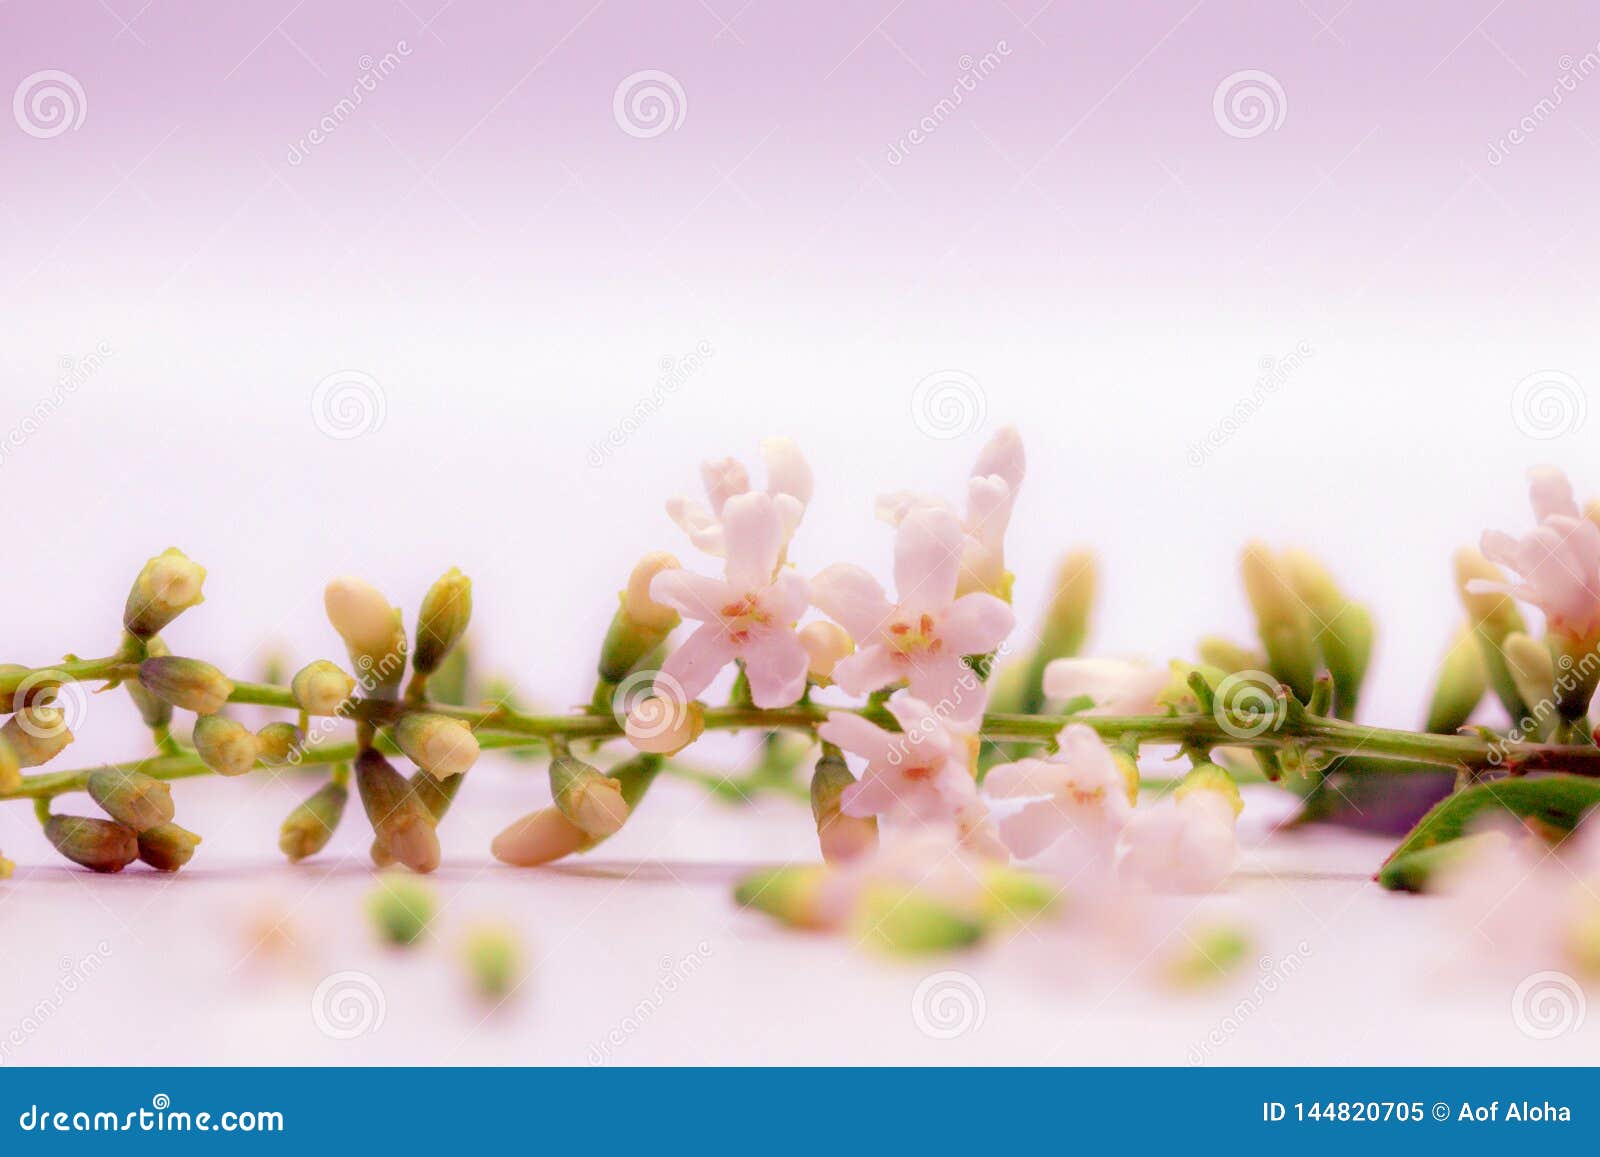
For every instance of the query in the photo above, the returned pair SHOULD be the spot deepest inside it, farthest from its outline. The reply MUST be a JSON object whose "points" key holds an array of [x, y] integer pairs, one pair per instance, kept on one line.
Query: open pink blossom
{"points": [[1558, 562], [1185, 844], [921, 640], [788, 482], [991, 494], [921, 774], [749, 614], [1117, 687], [1078, 796]]}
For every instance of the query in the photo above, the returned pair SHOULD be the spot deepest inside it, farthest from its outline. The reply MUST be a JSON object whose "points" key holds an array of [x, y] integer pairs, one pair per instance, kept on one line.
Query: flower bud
{"points": [[538, 838], [401, 909], [641, 624], [792, 894], [843, 837], [321, 688], [825, 643], [37, 735], [226, 745], [156, 713], [1576, 676], [1493, 615], [100, 845], [372, 633], [279, 743], [6, 868], [1343, 629], [1010, 894], [442, 746], [381, 856], [1281, 621], [902, 921], [592, 801], [10, 766], [1066, 617], [1229, 657], [1532, 669], [493, 960], [1460, 687], [131, 798], [168, 585], [1208, 777], [307, 829], [663, 724], [399, 818], [442, 621], [436, 794], [167, 847], [188, 683]]}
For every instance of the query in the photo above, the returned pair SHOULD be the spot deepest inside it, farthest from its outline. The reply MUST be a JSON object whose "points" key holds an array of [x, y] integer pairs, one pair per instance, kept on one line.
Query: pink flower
{"points": [[1184, 844], [748, 615], [1077, 796], [921, 640], [934, 861], [991, 494], [788, 482], [1558, 562], [920, 774]]}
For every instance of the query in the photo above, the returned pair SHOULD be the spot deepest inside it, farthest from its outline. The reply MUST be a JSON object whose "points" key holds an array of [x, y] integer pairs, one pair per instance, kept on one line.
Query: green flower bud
{"points": [[1014, 895], [321, 688], [1460, 687], [156, 713], [100, 845], [278, 743], [131, 798], [1575, 676], [188, 683], [1344, 630], [226, 746], [1229, 657], [1281, 621], [436, 743], [903, 921], [592, 801], [168, 585], [493, 960], [36, 735], [1066, 618], [436, 794], [641, 624], [399, 818], [168, 847], [442, 621], [1210, 777], [307, 829], [1532, 669], [372, 633], [401, 909], [10, 766], [1206, 955], [791, 894], [843, 837]]}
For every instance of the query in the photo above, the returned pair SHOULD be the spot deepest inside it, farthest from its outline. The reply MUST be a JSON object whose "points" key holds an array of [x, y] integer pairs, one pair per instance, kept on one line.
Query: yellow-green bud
{"points": [[1228, 656], [539, 838], [441, 622], [399, 818], [438, 744], [1492, 612], [188, 683], [277, 743], [792, 894], [6, 868], [372, 633], [641, 624], [1461, 685], [436, 794], [1066, 616], [1532, 669], [843, 838], [168, 847], [592, 801], [1281, 621], [321, 688], [36, 735], [155, 712], [382, 857], [903, 921], [10, 766], [307, 829], [1011, 894], [168, 585], [493, 960], [131, 798], [226, 745], [1128, 765], [401, 909], [1343, 629], [1206, 955], [100, 845], [1210, 777]]}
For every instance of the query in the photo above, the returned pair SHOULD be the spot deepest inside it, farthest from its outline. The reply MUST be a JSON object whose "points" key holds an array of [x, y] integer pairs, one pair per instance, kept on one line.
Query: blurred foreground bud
{"points": [[226, 745], [372, 633], [167, 847], [905, 921], [10, 766], [792, 894], [168, 585], [36, 735], [592, 801], [825, 643], [1281, 621], [6, 868], [1206, 956], [664, 724], [493, 960], [843, 837], [100, 845], [131, 798], [1461, 685], [446, 609], [641, 624], [401, 909], [279, 743], [309, 827], [1011, 894], [442, 746], [188, 683], [398, 817], [1209, 777], [1066, 616], [321, 688], [155, 712]]}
